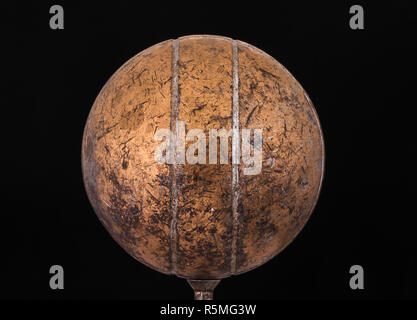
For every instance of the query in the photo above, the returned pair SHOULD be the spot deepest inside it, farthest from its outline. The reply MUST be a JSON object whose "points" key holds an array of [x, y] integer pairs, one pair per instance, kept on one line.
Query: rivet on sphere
{"points": [[203, 221]]}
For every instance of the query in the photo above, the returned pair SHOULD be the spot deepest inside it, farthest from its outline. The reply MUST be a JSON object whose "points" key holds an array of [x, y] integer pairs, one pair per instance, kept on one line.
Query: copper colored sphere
{"points": [[202, 221]]}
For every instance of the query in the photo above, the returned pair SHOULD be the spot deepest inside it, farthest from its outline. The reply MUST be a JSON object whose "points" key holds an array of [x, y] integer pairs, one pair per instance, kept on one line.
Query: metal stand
{"points": [[203, 289]]}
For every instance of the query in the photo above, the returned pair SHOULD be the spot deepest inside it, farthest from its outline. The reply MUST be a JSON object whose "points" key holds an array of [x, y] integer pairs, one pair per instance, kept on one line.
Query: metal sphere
{"points": [[202, 221]]}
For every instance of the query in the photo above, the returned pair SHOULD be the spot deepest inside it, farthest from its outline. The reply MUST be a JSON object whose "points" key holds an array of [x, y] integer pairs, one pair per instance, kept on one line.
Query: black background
{"points": [[360, 81]]}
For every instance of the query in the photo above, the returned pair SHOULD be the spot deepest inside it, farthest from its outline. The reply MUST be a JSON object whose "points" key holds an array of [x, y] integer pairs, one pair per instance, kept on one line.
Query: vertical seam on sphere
{"points": [[173, 231], [235, 154]]}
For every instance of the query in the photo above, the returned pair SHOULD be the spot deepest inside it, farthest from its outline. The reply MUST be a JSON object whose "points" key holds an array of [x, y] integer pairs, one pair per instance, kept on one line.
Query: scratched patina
{"points": [[275, 204], [129, 192], [179, 218], [204, 214]]}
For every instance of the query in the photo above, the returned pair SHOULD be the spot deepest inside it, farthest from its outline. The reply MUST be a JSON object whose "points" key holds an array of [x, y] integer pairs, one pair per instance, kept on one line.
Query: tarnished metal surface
{"points": [[205, 215], [180, 218], [276, 204]]}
